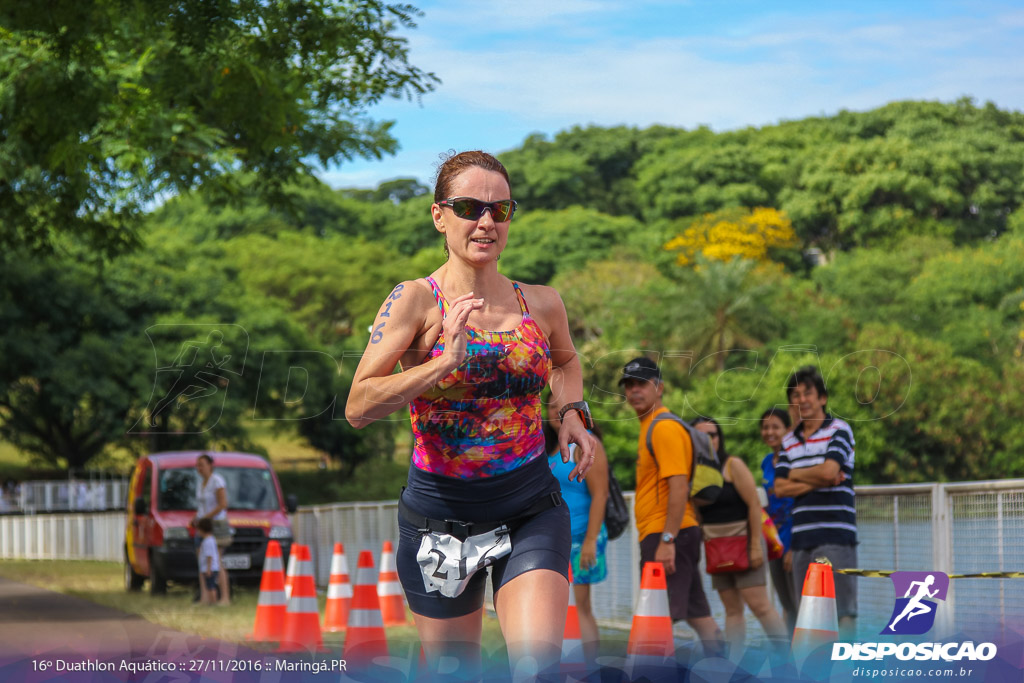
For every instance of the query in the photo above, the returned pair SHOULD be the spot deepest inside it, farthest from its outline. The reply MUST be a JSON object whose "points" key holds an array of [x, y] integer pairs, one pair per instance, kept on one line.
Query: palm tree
{"points": [[722, 308]]}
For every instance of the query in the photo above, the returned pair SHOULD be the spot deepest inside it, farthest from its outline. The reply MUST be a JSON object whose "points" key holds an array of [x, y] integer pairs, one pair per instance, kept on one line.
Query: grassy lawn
{"points": [[17, 465], [286, 451]]}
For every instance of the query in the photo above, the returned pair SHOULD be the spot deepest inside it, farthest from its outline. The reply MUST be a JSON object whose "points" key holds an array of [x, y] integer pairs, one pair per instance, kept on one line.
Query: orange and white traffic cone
{"points": [[365, 637], [389, 590], [302, 619], [339, 593], [572, 638], [289, 576], [272, 604], [817, 622], [650, 639]]}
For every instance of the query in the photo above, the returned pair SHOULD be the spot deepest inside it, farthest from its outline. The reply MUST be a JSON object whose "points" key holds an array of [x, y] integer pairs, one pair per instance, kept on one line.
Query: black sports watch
{"points": [[582, 409]]}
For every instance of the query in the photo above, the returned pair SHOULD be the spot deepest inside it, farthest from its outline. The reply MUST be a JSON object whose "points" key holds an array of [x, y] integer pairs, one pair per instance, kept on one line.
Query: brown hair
{"points": [[722, 455], [205, 524], [453, 164], [207, 458]]}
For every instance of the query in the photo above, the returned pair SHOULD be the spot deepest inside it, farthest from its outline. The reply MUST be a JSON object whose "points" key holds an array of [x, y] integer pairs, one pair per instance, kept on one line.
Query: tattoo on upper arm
{"points": [[378, 332]]}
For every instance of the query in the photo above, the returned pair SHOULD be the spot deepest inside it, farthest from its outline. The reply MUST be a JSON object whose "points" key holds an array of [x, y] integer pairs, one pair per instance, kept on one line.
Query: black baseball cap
{"points": [[641, 368]]}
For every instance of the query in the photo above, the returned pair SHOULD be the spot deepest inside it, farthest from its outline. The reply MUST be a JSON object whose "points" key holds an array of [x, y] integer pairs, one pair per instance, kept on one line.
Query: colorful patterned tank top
{"points": [[484, 418]]}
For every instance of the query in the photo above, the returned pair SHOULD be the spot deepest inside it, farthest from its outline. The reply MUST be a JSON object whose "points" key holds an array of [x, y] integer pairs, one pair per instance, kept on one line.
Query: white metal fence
{"points": [[78, 536], [955, 528], [93, 494], [961, 528]]}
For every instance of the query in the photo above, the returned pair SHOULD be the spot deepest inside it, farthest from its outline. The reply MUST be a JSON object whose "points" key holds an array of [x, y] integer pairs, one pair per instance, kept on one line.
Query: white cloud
{"points": [[367, 177], [467, 18], [814, 68], [849, 38], [509, 69]]}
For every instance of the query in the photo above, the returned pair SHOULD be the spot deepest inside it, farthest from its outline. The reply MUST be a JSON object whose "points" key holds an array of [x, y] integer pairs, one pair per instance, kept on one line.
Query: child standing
{"points": [[209, 563]]}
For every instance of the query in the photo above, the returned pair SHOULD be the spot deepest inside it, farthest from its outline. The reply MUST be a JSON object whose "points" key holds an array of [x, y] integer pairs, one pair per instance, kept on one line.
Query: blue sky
{"points": [[509, 69]]}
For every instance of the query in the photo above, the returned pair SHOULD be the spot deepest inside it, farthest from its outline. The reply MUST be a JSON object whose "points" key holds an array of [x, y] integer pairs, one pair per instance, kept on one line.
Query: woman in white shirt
{"points": [[212, 504]]}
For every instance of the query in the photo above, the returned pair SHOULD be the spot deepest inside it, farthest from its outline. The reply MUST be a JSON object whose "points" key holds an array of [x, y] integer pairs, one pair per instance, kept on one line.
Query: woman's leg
{"points": [[452, 644], [756, 598], [531, 610], [783, 583], [588, 624], [735, 629]]}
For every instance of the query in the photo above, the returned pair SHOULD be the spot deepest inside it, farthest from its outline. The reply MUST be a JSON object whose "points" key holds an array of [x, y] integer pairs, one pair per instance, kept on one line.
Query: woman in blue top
{"points": [[774, 425], [586, 501]]}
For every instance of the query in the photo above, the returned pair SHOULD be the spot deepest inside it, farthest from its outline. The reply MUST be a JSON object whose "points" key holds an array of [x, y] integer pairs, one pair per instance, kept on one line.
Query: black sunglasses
{"points": [[472, 209]]}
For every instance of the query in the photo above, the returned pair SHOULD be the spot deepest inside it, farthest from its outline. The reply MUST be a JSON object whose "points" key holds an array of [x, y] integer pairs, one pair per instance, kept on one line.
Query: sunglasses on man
{"points": [[472, 209]]}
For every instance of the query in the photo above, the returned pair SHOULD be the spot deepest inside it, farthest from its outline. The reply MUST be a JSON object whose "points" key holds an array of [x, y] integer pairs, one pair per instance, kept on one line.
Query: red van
{"points": [[159, 543]]}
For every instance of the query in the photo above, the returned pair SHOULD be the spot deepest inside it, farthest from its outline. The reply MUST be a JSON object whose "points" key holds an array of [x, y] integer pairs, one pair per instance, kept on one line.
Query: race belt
{"points": [[463, 530]]}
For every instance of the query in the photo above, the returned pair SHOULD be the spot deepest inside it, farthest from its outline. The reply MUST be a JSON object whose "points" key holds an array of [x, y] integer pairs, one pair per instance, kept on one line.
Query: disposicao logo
{"points": [[914, 613]]}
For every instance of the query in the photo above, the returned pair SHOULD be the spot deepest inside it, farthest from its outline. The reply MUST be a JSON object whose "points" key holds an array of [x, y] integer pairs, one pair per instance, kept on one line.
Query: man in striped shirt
{"points": [[816, 468]]}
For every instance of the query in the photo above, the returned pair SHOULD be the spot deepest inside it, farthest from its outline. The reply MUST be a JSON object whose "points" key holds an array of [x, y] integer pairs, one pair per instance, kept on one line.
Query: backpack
{"points": [[616, 513], [706, 475]]}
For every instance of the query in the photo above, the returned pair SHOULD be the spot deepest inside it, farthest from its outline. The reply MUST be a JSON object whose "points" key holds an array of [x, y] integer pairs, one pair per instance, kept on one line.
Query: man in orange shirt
{"points": [[665, 516]]}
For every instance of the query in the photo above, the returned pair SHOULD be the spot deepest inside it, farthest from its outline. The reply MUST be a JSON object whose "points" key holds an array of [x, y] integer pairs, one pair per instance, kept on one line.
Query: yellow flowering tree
{"points": [[734, 233]]}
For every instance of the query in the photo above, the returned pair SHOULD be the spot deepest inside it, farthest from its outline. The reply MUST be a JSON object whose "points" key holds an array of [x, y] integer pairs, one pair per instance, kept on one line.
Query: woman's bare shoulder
{"points": [[541, 298], [417, 295], [418, 287]]}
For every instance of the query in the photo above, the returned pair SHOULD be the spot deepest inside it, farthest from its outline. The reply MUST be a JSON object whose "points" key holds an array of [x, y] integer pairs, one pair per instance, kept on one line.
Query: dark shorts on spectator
{"points": [[686, 598]]}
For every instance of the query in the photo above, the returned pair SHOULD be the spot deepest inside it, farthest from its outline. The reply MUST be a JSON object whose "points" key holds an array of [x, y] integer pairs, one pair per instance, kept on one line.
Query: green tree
{"points": [[401, 190], [160, 349], [723, 308], [74, 362], [332, 286], [935, 290], [310, 207], [737, 397], [586, 166], [544, 243], [942, 169], [921, 413], [809, 316], [618, 303], [967, 296], [918, 412], [321, 417], [106, 106], [872, 283], [690, 180]]}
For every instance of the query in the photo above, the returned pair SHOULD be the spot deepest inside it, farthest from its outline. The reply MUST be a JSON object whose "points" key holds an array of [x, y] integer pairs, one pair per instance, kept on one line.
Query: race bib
{"points": [[448, 564]]}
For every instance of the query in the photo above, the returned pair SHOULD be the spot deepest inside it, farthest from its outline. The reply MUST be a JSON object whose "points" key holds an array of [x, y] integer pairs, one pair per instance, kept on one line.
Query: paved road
{"points": [[41, 628]]}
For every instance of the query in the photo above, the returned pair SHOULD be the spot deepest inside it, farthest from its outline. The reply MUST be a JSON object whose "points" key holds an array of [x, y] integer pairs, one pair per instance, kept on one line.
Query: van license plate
{"points": [[236, 561]]}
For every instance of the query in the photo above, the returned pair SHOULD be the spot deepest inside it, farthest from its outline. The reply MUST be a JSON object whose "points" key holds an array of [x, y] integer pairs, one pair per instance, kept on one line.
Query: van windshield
{"points": [[249, 488]]}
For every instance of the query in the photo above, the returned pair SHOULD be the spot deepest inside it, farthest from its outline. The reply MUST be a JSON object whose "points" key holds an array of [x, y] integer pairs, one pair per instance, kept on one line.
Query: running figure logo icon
{"points": [[914, 613]]}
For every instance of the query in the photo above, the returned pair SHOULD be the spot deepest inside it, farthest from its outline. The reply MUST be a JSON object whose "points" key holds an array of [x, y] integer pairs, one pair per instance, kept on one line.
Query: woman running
{"points": [[475, 350]]}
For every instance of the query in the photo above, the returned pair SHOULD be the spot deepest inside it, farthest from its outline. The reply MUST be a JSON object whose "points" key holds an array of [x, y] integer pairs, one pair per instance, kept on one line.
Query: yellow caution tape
{"points": [[884, 573], [864, 572]]}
